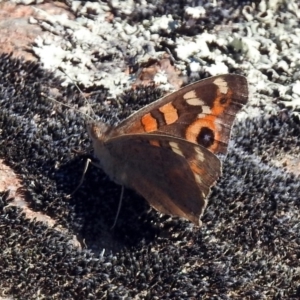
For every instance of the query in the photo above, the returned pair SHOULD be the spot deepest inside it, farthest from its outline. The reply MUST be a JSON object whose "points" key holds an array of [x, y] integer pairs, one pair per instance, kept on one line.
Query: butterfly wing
{"points": [[202, 112], [172, 174]]}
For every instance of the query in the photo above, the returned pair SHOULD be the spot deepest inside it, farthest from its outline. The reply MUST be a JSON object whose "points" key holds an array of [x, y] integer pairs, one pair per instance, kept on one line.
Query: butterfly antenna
{"points": [[119, 208], [66, 105], [80, 91]]}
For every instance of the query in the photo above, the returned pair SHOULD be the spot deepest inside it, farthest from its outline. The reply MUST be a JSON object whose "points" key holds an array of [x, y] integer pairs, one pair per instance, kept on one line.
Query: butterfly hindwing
{"points": [[202, 112], [172, 174]]}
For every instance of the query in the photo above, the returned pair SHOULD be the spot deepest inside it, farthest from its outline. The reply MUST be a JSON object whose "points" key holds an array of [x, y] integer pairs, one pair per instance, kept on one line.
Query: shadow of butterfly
{"points": [[167, 151]]}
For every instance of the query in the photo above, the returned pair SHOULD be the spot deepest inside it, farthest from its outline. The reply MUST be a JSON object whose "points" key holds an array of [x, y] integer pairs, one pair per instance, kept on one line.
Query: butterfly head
{"points": [[98, 131]]}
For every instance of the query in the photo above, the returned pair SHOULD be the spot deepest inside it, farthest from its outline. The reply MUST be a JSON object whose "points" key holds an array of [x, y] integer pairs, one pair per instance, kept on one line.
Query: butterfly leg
{"points": [[119, 208], [88, 161], [82, 177]]}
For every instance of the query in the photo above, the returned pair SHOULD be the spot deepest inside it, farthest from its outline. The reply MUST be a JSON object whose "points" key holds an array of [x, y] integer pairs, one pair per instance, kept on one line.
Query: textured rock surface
{"points": [[248, 246]]}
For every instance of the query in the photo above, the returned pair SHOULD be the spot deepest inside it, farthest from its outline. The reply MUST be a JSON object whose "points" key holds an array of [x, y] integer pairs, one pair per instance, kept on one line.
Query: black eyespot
{"points": [[206, 137], [223, 100]]}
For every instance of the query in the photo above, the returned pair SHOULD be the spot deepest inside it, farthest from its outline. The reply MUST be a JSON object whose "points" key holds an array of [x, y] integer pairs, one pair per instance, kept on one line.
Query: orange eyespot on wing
{"points": [[202, 131]]}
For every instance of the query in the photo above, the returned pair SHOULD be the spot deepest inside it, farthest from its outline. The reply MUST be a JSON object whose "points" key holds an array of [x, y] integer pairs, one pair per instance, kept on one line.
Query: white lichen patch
{"points": [[195, 12], [98, 48]]}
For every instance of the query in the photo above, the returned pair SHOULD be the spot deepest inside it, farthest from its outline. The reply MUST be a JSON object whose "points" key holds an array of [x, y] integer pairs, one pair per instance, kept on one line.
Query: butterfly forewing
{"points": [[202, 112]]}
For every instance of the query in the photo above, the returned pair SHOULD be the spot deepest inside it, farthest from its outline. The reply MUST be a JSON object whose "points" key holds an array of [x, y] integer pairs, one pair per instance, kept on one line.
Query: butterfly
{"points": [[168, 151]]}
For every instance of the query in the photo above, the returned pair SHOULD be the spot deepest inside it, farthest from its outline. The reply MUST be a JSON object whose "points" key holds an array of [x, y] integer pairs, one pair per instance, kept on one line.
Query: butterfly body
{"points": [[99, 132], [167, 150]]}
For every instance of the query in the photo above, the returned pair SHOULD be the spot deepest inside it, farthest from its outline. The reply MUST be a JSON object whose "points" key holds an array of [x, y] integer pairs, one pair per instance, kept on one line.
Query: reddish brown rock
{"points": [[16, 32]]}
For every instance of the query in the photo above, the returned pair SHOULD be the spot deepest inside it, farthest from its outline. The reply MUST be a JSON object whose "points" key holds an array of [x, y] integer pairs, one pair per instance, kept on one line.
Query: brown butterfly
{"points": [[167, 150]]}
